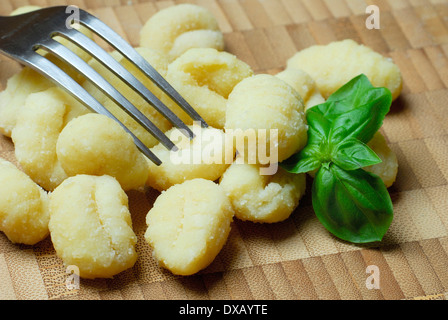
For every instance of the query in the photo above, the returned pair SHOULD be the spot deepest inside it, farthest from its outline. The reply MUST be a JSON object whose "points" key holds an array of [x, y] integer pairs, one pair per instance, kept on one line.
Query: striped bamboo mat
{"points": [[295, 259]]}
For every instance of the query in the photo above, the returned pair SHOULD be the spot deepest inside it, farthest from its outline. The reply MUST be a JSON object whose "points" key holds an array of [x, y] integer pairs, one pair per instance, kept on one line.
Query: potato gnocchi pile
{"points": [[75, 166]]}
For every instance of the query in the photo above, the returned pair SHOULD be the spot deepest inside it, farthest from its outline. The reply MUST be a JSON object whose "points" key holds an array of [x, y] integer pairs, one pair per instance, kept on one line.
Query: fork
{"points": [[22, 35]]}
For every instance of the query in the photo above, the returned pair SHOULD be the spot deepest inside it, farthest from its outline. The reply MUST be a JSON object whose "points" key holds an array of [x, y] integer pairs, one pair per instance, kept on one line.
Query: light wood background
{"points": [[298, 258]]}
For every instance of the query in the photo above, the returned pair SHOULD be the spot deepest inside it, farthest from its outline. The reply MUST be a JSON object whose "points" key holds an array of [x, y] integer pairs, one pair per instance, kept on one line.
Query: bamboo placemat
{"points": [[298, 258]]}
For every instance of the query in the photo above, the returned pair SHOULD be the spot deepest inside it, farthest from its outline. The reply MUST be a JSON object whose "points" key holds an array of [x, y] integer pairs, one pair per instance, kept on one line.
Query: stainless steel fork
{"points": [[22, 35]]}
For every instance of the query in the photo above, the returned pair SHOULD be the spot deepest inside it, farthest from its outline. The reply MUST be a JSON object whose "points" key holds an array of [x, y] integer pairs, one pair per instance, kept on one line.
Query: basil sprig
{"points": [[351, 203]]}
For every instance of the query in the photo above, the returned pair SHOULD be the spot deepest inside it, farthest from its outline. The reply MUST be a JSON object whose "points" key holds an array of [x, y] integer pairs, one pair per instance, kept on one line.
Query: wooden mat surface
{"points": [[298, 258]]}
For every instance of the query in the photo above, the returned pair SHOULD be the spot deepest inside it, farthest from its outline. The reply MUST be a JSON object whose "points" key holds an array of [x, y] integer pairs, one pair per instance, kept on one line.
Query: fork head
{"points": [[23, 35]]}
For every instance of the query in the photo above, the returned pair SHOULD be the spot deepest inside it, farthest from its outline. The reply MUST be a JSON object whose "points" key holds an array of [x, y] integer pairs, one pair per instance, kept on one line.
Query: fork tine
{"points": [[50, 70], [119, 44], [82, 67], [110, 63]]}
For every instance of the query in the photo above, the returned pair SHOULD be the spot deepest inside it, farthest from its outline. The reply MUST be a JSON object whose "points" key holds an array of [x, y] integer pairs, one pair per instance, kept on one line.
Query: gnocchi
{"points": [[262, 198], [24, 206], [265, 102], [334, 64], [388, 169], [36, 132], [188, 226], [304, 85], [207, 156], [95, 144], [176, 29], [94, 232], [205, 77]]}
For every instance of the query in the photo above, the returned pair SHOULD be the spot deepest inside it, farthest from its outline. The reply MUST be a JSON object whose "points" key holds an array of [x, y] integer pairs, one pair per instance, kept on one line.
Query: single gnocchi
{"points": [[178, 28], [262, 198], [95, 144], [334, 64], [304, 85], [39, 124], [91, 227], [24, 206], [206, 156], [387, 170], [262, 103], [205, 77], [188, 226]]}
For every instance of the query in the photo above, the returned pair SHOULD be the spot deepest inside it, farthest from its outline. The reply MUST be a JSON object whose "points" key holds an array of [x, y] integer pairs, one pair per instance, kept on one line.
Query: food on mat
{"points": [[94, 144], [334, 64], [24, 211], [87, 162], [176, 29], [90, 226], [188, 225]]}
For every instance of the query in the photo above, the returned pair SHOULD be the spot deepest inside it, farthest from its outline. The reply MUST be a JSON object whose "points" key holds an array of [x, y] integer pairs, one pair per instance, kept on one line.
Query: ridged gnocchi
{"points": [[334, 64], [262, 198], [176, 29], [264, 102], [35, 135], [95, 144], [205, 77], [91, 227], [207, 156], [24, 206], [188, 226]]}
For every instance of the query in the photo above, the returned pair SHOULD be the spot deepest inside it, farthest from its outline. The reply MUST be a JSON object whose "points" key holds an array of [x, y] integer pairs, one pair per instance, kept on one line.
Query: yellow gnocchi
{"points": [[387, 170], [304, 85], [176, 29], [95, 144], [205, 77], [24, 206], [264, 102], [188, 226], [334, 64], [91, 227], [37, 130], [206, 156], [262, 198]]}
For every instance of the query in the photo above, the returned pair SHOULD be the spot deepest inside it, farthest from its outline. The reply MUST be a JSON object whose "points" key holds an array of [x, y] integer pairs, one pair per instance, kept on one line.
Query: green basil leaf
{"points": [[303, 166], [357, 92], [353, 205], [318, 127], [362, 122], [304, 161], [353, 154]]}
